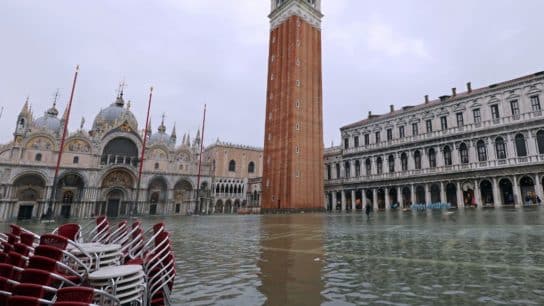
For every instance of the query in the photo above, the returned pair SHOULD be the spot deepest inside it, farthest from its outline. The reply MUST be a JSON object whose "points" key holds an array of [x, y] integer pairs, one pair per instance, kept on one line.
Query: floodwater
{"points": [[470, 257]]}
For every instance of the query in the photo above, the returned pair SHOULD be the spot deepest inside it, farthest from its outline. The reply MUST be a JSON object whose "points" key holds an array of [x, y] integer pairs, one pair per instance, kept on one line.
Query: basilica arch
{"points": [[120, 150], [183, 195], [117, 186], [29, 190], [157, 192], [70, 188]]}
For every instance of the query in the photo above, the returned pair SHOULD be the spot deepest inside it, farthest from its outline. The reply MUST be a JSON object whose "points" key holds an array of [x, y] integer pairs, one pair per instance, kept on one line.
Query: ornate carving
{"points": [[118, 178], [78, 146], [40, 143]]}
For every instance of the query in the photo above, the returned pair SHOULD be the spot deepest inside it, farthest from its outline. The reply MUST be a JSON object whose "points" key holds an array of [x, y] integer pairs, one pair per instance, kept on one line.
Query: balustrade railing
{"points": [[109, 159]]}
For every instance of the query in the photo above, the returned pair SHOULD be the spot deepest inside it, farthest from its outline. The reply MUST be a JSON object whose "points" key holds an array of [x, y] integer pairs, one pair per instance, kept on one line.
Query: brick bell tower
{"points": [[293, 146]]}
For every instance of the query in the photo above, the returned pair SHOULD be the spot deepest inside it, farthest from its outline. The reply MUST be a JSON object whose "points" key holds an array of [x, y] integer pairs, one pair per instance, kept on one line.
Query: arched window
{"points": [[379, 165], [447, 156], [357, 168], [500, 148], [232, 166], [156, 166], [22, 122], [337, 170], [417, 160], [482, 152], [432, 158], [251, 167], [540, 141], [76, 160], [391, 162], [463, 153], [329, 172], [520, 145], [347, 169], [38, 157], [68, 197], [368, 164], [404, 161]]}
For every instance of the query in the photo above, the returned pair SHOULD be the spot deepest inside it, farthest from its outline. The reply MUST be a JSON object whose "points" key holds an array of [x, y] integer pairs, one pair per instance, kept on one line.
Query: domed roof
{"points": [[49, 120], [114, 115], [161, 137]]}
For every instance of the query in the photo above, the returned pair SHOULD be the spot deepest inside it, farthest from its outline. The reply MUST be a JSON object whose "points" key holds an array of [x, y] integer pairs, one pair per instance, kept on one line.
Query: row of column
{"points": [[460, 198]]}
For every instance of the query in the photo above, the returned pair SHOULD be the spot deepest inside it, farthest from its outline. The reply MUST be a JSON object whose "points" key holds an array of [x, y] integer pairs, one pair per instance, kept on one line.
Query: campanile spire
{"points": [[293, 146]]}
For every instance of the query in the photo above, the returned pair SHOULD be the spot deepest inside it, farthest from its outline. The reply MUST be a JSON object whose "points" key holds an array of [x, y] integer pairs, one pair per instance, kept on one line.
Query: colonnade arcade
{"points": [[494, 191]]}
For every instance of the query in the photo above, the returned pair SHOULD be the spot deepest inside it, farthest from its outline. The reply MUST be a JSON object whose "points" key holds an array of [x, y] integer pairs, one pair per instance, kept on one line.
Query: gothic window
{"points": [[346, 143], [500, 148], [520, 145], [38, 157], [367, 139], [378, 137], [482, 153], [535, 103], [356, 141], [444, 123], [540, 141], [495, 112], [404, 161], [429, 124], [401, 131], [379, 165], [251, 167], [329, 172], [22, 123], [477, 116], [357, 168], [368, 164], [447, 156], [432, 158], [514, 105], [76, 160], [389, 134], [232, 166], [415, 130], [417, 160], [391, 162], [463, 152], [337, 170], [347, 168], [460, 120]]}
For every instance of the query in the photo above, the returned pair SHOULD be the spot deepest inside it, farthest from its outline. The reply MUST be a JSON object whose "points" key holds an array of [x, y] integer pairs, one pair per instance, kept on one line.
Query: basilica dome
{"points": [[49, 120], [115, 115], [161, 137]]}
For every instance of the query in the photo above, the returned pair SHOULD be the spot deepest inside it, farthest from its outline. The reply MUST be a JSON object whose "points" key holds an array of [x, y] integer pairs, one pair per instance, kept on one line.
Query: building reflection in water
{"points": [[291, 259]]}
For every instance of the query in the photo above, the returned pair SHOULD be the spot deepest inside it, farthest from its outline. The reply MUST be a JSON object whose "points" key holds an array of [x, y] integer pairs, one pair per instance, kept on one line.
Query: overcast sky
{"points": [[375, 53]]}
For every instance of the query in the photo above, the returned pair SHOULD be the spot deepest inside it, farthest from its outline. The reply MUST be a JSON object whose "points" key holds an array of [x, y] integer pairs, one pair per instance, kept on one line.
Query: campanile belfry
{"points": [[293, 146]]}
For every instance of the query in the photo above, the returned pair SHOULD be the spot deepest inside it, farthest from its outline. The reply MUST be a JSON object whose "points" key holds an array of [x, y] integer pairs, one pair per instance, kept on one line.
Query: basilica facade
{"points": [[479, 148], [99, 168]]}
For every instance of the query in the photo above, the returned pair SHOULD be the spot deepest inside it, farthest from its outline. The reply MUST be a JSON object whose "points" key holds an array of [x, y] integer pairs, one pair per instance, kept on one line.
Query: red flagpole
{"points": [[200, 161], [63, 139], [143, 148]]}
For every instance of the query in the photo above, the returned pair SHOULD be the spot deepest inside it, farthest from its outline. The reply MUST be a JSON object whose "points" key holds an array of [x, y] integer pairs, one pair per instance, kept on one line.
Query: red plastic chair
{"points": [[22, 249], [16, 259], [19, 300], [28, 238], [34, 290], [51, 265], [54, 240], [12, 238], [16, 229], [49, 251], [41, 277], [10, 271], [72, 304], [70, 231]]}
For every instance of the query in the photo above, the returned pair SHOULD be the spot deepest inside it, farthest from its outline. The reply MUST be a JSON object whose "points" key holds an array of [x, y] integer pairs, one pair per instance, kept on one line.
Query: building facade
{"points": [[483, 147], [236, 171], [293, 147], [99, 168]]}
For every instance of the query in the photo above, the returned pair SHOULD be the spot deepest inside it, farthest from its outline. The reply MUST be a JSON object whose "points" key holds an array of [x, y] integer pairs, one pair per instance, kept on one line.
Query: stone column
{"points": [[517, 194], [411, 162], [352, 168], [399, 196], [387, 199], [531, 144], [424, 159], [538, 187], [460, 200], [455, 155], [477, 193], [412, 194], [353, 200], [375, 199], [443, 198], [497, 201], [439, 157], [363, 194], [343, 192], [427, 194]]}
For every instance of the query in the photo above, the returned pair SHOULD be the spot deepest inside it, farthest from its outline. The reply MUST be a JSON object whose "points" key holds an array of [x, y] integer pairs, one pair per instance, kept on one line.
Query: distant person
{"points": [[368, 209], [538, 200]]}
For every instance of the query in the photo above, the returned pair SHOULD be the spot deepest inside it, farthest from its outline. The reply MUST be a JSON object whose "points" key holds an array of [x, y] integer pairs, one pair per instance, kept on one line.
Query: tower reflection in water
{"points": [[291, 259]]}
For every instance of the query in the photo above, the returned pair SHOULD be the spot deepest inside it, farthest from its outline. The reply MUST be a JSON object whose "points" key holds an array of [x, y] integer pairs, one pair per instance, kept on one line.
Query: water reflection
{"points": [[291, 259], [469, 257]]}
